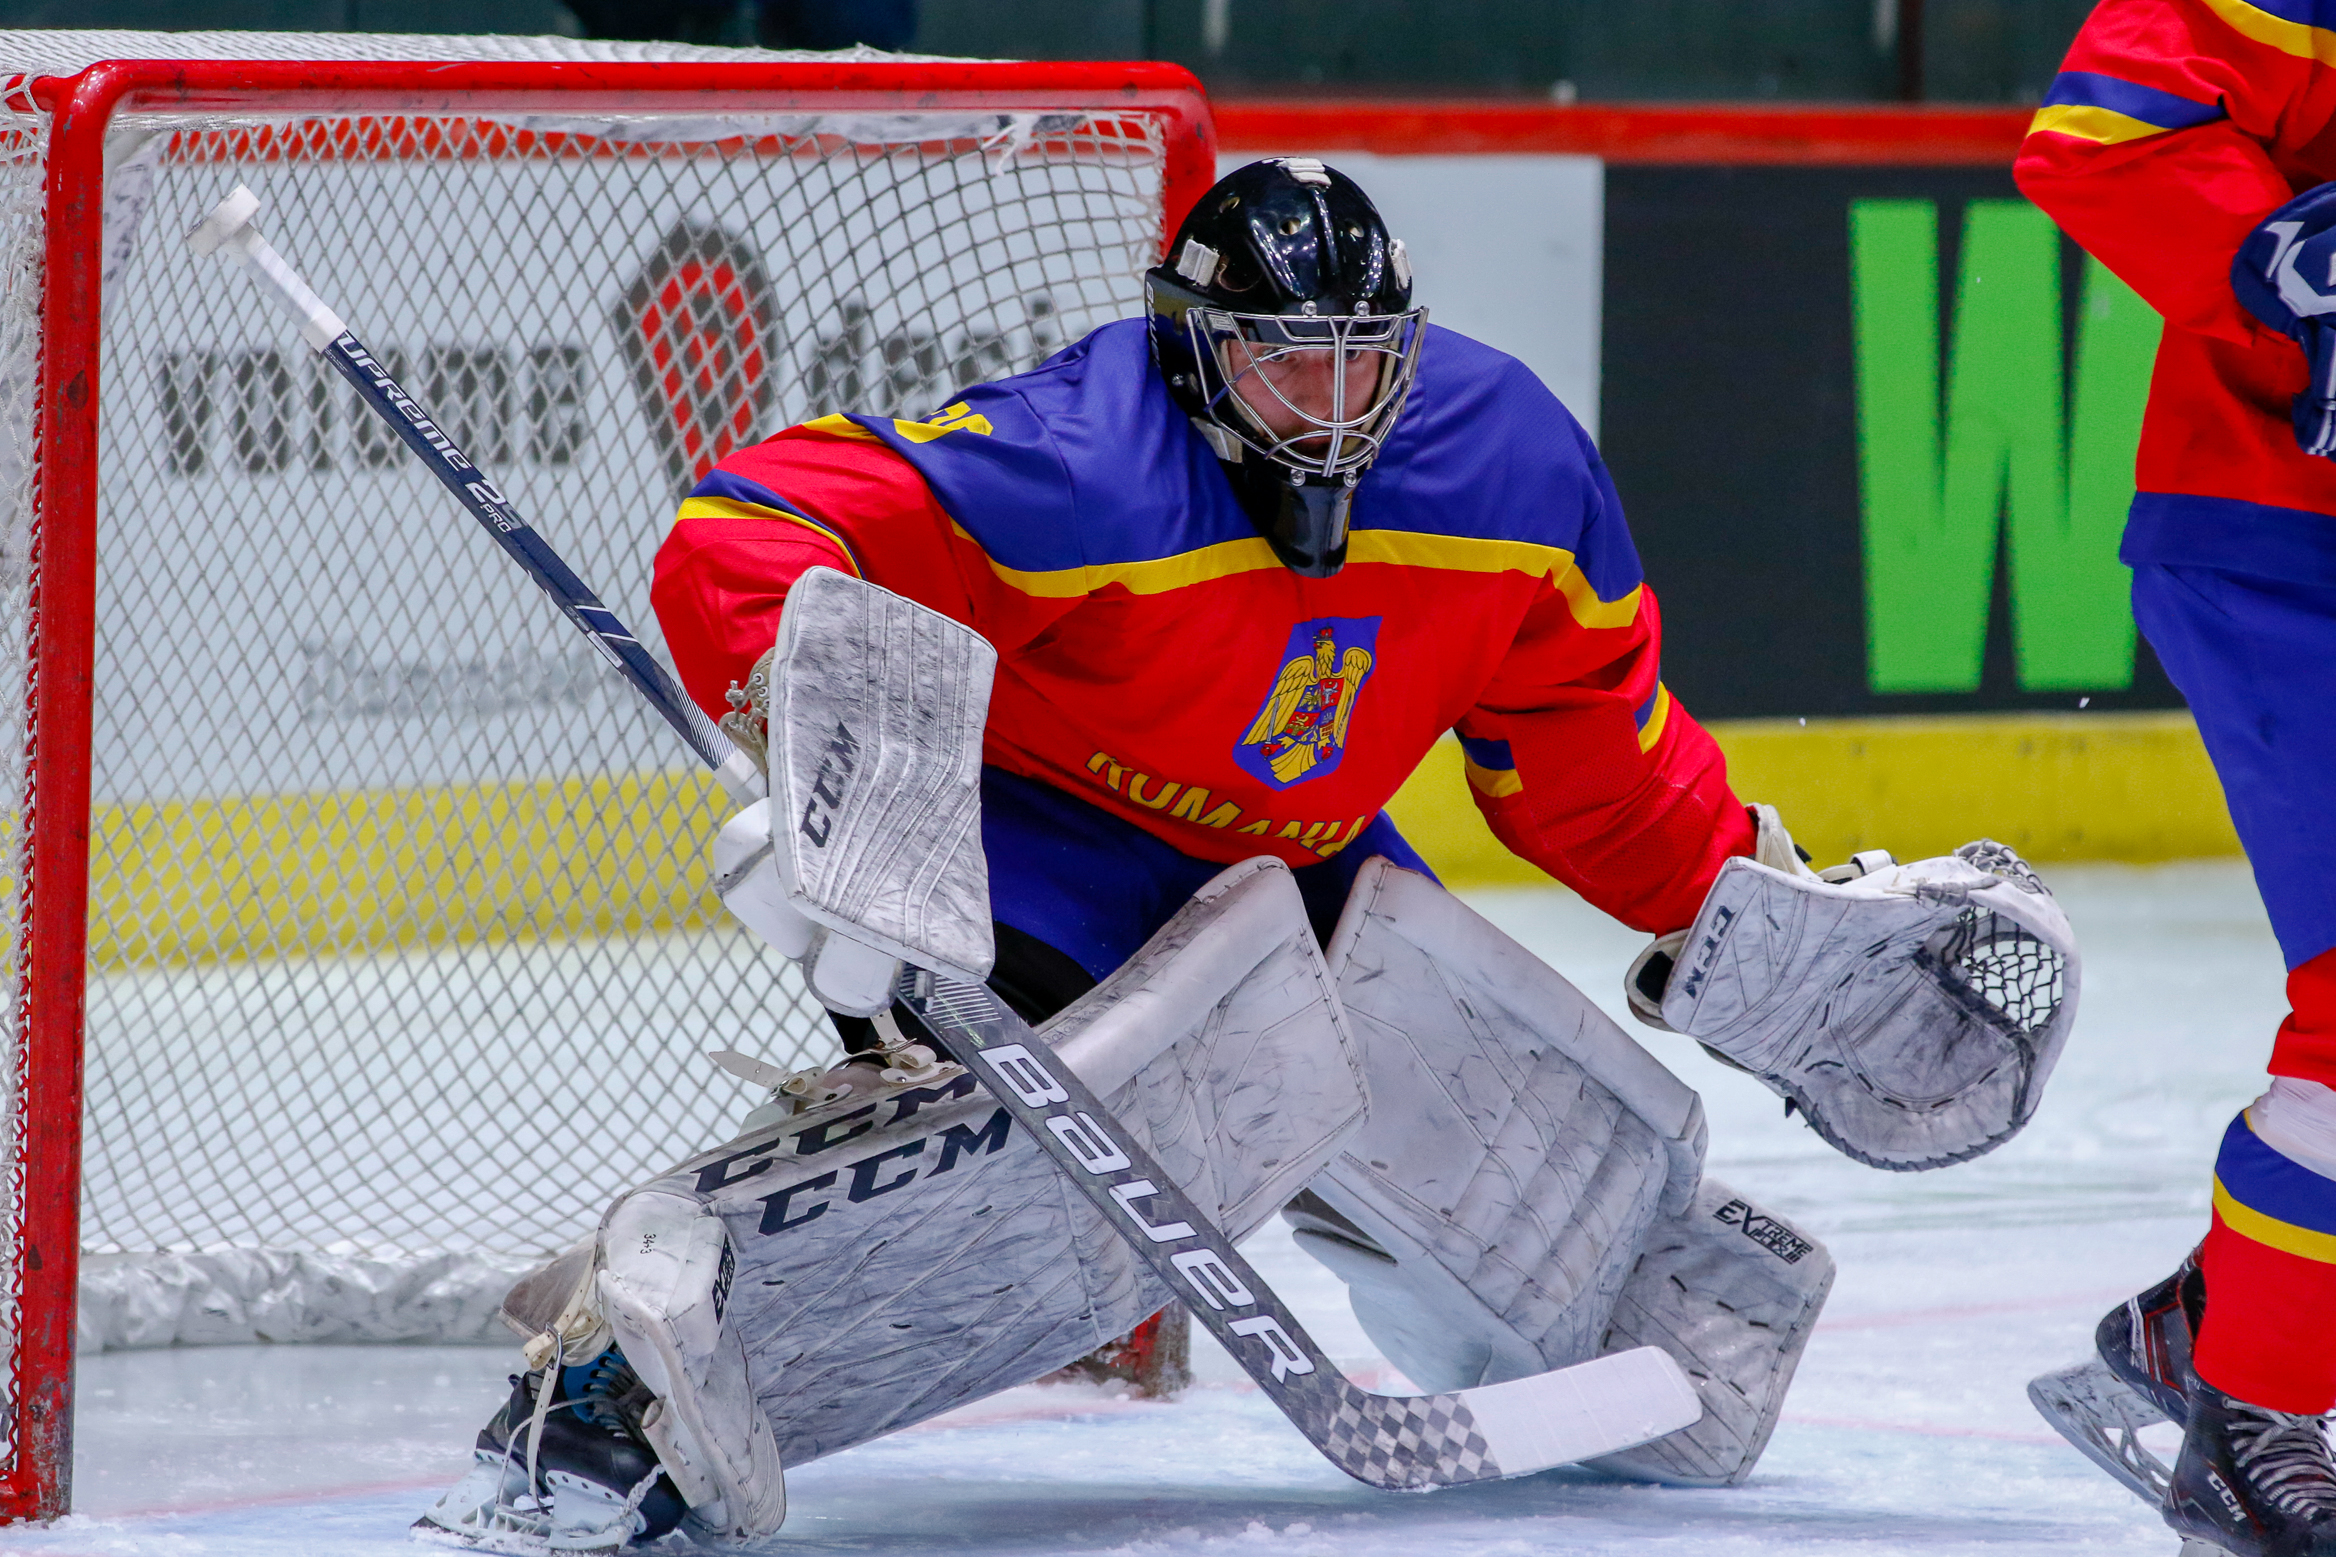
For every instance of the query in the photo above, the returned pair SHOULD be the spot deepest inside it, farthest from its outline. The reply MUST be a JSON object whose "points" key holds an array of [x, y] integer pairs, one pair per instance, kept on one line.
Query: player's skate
{"points": [[2249, 1482], [2252, 1482], [561, 1469], [2146, 1341], [2139, 1376]]}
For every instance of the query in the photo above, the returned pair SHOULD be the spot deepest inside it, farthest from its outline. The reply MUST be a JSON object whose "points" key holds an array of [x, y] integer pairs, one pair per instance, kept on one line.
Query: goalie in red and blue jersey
{"points": [[2189, 145], [1243, 563], [1239, 566], [1234, 609]]}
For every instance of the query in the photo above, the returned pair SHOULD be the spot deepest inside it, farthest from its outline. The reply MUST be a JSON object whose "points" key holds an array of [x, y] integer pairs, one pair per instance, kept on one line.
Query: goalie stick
{"points": [[228, 228], [1569, 1414]]}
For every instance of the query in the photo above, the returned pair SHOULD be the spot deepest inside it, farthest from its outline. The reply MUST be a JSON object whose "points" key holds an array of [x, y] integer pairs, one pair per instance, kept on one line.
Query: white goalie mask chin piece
{"points": [[1317, 394]]}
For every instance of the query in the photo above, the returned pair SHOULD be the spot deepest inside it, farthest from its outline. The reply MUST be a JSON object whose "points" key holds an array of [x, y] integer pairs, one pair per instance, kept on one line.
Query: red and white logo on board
{"points": [[701, 332]]}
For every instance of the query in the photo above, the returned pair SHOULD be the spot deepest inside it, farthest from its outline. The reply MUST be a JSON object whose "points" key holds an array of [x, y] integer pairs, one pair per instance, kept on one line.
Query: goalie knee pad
{"points": [[1912, 1014], [1528, 1191], [902, 1255]]}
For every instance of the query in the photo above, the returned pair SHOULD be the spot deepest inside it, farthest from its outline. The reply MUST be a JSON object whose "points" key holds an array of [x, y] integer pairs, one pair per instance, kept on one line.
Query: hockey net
{"points": [[400, 962]]}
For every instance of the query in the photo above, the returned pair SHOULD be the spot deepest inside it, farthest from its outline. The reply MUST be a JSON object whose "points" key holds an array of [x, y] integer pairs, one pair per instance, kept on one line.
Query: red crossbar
{"points": [[1631, 132]]}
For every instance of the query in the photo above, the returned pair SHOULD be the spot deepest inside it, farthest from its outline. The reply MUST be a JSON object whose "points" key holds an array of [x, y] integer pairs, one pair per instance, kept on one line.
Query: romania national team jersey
{"points": [[2173, 129], [1156, 661]]}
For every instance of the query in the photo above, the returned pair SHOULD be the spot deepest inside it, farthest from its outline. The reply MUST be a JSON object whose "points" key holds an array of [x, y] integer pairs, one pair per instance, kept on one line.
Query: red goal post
{"points": [[189, 949]]}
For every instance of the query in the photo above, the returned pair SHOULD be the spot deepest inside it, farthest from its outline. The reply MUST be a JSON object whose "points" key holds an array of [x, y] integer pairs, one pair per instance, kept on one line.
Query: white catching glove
{"points": [[1911, 1013], [750, 876]]}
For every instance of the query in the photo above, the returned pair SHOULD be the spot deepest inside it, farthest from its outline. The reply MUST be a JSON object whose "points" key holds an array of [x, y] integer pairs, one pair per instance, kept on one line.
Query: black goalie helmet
{"points": [[1283, 324]]}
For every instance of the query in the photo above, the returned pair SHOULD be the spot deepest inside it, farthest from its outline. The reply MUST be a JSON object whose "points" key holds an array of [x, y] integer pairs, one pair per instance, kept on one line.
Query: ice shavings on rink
{"points": [[1907, 1431]]}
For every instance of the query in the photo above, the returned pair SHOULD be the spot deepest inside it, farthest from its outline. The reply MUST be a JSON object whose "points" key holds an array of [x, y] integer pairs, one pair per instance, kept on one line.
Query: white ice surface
{"points": [[1907, 1431]]}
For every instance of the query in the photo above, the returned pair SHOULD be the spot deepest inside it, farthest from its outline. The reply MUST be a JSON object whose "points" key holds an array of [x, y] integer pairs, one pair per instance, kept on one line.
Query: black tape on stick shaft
{"points": [[475, 491]]}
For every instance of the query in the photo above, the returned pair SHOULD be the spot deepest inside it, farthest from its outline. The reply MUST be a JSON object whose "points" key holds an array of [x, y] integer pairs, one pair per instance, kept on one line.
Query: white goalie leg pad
{"points": [[666, 1274], [877, 708], [1912, 1014], [901, 1256], [1519, 1145], [1732, 1292]]}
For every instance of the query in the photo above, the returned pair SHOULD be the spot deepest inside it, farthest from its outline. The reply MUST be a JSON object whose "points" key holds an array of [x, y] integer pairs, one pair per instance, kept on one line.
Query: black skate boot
{"points": [[2252, 1482], [594, 1483], [2146, 1340]]}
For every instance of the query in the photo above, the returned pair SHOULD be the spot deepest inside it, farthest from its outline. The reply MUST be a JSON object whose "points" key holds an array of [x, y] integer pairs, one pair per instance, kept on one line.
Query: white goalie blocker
{"points": [[1912, 1013], [1528, 1191], [868, 851]]}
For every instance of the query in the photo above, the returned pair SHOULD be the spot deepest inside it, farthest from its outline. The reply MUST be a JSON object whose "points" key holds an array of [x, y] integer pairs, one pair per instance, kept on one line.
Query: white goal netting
{"points": [[401, 960]]}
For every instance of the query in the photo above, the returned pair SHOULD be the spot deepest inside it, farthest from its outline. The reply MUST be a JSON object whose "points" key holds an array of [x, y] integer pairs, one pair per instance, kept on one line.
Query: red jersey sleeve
{"points": [[1583, 763], [2156, 147], [823, 495]]}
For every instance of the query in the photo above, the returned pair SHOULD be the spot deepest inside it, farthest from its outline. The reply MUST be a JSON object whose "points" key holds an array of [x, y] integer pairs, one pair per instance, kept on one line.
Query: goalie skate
{"points": [[562, 1469]]}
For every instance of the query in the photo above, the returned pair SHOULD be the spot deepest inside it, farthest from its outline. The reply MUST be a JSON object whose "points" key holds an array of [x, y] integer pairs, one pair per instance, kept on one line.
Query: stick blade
{"points": [[1594, 1408]]}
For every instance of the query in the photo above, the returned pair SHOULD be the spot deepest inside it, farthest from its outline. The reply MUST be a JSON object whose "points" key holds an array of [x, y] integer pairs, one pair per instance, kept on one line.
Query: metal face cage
{"points": [[1340, 446]]}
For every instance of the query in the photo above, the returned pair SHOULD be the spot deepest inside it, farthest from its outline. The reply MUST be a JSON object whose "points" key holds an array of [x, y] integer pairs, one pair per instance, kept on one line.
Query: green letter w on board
{"points": [[1931, 504]]}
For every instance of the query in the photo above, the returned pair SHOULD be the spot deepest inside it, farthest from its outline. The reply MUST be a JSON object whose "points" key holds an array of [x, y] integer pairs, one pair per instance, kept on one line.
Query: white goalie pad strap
{"points": [[901, 1257], [877, 711], [1519, 1145], [1913, 1014], [1732, 1291], [665, 1274]]}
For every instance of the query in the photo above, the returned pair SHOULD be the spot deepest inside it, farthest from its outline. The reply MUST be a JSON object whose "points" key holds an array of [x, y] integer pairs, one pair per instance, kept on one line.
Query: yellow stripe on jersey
{"points": [[1496, 783], [2248, 1222], [1589, 610], [1652, 731], [2086, 122], [1469, 554], [732, 508], [1156, 576], [841, 426], [2300, 39], [1398, 548]]}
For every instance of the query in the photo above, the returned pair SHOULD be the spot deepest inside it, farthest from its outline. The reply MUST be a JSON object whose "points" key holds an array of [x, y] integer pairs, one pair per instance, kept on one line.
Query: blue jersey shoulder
{"points": [[1484, 450], [1084, 460]]}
